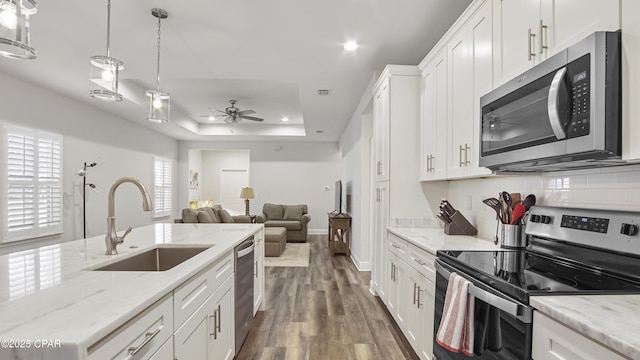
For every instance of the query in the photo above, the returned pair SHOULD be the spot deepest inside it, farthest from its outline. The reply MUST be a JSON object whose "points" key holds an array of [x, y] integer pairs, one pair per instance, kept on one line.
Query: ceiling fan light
{"points": [[14, 29]]}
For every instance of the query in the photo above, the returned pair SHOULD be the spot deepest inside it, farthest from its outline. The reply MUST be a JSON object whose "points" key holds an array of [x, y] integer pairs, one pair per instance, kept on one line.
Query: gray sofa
{"points": [[215, 214], [294, 218]]}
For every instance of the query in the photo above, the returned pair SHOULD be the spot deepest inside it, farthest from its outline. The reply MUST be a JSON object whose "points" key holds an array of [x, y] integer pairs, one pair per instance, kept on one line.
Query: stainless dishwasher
{"points": [[244, 289]]}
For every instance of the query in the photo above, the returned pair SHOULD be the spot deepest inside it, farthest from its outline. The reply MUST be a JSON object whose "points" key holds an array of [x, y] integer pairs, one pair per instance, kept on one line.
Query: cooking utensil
{"points": [[529, 201], [445, 219], [515, 199], [448, 207], [519, 210], [495, 205], [506, 207]]}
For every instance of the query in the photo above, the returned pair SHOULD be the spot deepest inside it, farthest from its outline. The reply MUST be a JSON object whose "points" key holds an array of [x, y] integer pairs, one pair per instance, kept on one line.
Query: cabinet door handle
{"points": [[256, 272], [530, 40], [218, 330], [467, 148], [427, 164], [215, 332], [543, 37], [391, 271], [377, 195], [147, 338], [418, 297], [379, 167], [414, 293], [460, 150]]}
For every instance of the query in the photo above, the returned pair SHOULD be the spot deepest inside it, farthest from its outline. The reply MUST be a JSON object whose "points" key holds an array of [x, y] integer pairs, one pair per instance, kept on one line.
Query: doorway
{"points": [[231, 182]]}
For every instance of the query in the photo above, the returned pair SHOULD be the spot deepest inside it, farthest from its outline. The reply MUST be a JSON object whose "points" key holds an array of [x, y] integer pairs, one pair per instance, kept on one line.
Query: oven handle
{"points": [[553, 103], [522, 312]]}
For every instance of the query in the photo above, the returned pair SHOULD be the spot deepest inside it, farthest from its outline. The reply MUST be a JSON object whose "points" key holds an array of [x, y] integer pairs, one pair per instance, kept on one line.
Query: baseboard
{"points": [[360, 265], [318, 231]]}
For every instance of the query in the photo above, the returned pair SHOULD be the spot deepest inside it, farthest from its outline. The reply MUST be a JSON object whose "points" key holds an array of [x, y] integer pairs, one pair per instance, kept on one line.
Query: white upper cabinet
{"points": [[532, 30], [470, 65], [434, 118], [381, 130]]}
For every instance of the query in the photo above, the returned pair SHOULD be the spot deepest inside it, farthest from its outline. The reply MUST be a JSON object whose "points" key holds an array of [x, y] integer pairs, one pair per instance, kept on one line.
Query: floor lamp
{"points": [[83, 173]]}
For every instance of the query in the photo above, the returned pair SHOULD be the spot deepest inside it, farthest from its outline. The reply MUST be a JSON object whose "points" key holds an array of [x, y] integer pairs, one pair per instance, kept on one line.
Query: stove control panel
{"points": [[617, 231], [585, 223]]}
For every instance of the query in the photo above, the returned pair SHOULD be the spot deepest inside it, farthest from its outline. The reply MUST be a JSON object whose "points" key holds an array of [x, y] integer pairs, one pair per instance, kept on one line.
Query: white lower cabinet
{"points": [[141, 337], [208, 333], [554, 341], [165, 352], [258, 273], [411, 293]]}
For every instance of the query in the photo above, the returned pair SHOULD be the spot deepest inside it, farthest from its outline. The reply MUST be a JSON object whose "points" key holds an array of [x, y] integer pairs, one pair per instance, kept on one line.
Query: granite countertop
{"points": [[611, 320], [48, 293]]}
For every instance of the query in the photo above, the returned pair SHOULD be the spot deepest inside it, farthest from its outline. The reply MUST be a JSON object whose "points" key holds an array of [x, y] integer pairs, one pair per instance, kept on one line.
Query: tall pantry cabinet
{"points": [[396, 118]]}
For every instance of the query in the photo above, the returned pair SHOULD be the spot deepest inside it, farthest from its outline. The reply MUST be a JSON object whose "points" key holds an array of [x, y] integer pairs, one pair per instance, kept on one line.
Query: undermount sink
{"points": [[156, 259]]}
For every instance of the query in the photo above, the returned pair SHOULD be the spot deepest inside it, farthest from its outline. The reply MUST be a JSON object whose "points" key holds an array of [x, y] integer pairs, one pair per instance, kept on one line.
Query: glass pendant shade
{"points": [[159, 106], [14, 29], [159, 101], [105, 71]]}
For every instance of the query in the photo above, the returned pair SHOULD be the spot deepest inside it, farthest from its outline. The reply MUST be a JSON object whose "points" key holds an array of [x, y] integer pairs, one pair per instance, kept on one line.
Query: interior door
{"points": [[231, 183]]}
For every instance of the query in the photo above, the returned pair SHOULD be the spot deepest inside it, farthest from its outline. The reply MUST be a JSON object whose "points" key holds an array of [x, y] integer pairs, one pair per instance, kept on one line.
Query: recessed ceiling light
{"points": [[350, 45], [211, 118], [285, 119]]}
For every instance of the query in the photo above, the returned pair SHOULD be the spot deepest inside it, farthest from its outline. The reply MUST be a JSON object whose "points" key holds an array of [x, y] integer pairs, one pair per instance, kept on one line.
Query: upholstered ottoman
{"points": [[275, 239]]}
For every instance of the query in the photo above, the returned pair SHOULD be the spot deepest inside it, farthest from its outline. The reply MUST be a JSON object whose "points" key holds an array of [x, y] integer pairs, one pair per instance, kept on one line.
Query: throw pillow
{"points": [[293, 212], [212, 214], [189, 216], [225, 217], [273, 211], [204, 217]]}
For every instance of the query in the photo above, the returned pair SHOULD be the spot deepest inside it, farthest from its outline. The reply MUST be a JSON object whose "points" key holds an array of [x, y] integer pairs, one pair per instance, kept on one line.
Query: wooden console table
{"points": [[339, 233]]}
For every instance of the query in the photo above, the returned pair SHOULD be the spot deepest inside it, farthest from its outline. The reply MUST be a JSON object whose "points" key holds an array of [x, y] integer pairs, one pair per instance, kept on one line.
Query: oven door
{"points": [[503, 326]]}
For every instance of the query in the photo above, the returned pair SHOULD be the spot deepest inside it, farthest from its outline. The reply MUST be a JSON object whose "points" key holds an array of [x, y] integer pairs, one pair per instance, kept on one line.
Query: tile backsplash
{"points": [[616, 188]]}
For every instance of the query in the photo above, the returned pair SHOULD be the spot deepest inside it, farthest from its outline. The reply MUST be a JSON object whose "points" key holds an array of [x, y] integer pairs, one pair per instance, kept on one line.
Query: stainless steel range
{"points": [[570, 251]]}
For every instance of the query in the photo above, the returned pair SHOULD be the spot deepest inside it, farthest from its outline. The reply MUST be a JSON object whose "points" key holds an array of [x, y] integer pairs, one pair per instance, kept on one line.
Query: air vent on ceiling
{"points": [[324, 92]]}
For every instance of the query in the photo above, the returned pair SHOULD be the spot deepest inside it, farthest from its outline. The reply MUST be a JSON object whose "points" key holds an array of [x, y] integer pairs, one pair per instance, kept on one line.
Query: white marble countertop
{"points": [[608, 319], [611, 320], [47, 293], [434, 239]]}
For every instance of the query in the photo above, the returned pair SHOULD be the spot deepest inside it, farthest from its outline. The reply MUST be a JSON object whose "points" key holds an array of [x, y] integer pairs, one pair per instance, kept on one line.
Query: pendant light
{"points": [[14, 29], [105, 70], [159, 101]]}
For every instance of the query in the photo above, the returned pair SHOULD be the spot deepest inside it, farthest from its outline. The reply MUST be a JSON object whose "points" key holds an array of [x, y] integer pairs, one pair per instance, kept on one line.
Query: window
{"points": [[33, 201], [162, 187]]}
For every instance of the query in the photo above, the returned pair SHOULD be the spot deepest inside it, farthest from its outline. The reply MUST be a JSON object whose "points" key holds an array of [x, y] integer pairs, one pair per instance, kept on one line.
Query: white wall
{"points": [[89, 134], [608, 188], [213, 162], [297, 173], [195, 165]]}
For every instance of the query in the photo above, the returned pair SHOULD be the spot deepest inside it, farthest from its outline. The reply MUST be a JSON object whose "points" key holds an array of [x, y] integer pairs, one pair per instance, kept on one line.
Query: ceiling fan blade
{"points": [[251, 118], [222, 111], [246, 112]]}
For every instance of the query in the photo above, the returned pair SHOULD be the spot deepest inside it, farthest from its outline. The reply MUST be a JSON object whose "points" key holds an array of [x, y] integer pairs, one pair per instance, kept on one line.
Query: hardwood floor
{"points": [[324, 311]]}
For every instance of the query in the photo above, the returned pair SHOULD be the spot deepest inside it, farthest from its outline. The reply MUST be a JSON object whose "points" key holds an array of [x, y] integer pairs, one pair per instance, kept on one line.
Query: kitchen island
{"points": [[53, 306]]}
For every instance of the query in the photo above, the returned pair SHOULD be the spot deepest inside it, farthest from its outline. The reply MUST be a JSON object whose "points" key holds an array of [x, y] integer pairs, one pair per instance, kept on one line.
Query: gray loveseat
{"points": [[215, 214], [294, 218]]}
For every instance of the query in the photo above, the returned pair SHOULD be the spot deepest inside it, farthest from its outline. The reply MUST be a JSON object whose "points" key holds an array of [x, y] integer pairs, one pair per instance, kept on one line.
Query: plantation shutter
{"points": [[162, 187], [34, 184]]}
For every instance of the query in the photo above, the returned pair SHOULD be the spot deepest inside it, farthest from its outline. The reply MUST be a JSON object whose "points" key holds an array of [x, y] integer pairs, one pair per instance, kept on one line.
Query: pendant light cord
{"points": [[158, 73], [108, 26]]}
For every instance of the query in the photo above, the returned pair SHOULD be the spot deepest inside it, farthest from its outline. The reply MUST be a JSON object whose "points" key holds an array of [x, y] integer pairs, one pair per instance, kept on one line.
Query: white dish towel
{"points": [[456, 325]]}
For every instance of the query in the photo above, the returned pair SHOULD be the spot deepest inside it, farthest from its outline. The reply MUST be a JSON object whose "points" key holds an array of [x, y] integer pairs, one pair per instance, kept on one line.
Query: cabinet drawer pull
{"points": [[395, 246], [530, 40], [543, 36], [147, 338], [420, 261]]}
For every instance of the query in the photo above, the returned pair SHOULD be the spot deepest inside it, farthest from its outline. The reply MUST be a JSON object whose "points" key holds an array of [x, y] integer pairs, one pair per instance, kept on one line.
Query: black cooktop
{"points": [[522, 273]]}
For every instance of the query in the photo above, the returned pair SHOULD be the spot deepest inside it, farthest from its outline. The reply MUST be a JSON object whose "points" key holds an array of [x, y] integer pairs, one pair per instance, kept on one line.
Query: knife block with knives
{"points": [[454, 222]]}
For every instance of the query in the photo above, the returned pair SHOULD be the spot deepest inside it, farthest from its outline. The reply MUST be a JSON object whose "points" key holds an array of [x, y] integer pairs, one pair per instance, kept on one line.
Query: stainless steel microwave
{"points": [[564, 113]]}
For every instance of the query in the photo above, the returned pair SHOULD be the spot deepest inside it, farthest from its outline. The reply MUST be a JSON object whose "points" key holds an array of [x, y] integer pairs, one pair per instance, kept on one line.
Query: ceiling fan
{"points": [[233, 114]]}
